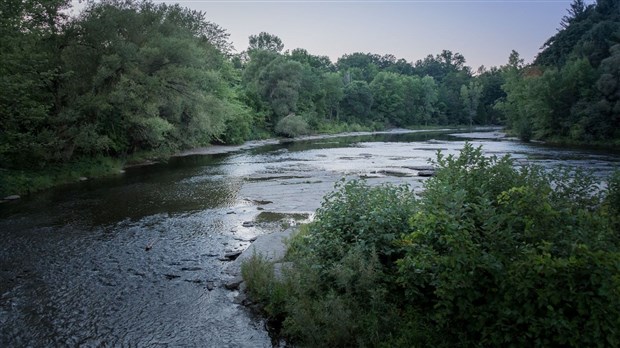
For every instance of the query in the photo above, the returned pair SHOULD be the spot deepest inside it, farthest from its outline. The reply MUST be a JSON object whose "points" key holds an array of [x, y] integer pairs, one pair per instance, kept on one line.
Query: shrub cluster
{"points": [[292, 126], [490, 255]]}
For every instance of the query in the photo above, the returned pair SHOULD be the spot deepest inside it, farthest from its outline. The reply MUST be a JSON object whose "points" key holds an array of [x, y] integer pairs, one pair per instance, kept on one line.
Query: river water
{"points": [[138, 259]]}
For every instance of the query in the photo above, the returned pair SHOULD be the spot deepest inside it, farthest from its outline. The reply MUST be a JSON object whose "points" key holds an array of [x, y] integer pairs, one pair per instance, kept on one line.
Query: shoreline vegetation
{"points": [[126, 81], [489, 254], [21, 183], [486, 255]]}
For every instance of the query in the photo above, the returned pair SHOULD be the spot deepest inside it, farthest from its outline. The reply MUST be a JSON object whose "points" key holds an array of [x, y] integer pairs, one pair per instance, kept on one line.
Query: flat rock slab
{"points": [[270, 246]]}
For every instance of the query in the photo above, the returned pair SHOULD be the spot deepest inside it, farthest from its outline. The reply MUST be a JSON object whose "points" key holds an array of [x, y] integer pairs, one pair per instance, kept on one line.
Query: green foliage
{"points": [[571, 92], [356, 214], [388, 98], [238, 127], [30, 181], [510, 256], [292, 126], [336, 294], [491, 255], [127, 77], [404, 100], [262, 285], [357, 101], [266, 42], [470, 96], [612, 201], [492, 92]]}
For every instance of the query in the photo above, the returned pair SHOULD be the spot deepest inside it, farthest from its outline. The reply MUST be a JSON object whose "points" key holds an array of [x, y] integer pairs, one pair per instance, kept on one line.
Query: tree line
{"points": [[572, 90], [123, 78]]}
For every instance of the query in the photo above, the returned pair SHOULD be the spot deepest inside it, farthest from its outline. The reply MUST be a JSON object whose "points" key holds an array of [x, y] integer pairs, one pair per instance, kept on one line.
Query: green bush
{"points": [[238, 129], [490, 255], [358, 215], [292, 126], [500, 256]]}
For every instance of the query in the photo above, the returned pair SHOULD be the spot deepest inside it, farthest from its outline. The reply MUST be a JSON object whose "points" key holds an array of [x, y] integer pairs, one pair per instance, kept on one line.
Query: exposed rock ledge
{"points": [[270, 246]]}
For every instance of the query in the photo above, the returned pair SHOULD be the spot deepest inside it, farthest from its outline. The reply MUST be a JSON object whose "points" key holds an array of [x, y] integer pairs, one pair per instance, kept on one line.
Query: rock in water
{"points": [[234, 283], [232, 255]]}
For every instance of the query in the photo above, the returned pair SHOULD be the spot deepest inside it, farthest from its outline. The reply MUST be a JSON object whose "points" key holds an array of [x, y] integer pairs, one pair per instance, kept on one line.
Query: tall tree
{"points": [[29, 74], [388, 96], [470, 95], [279, 85], [333, 87], [357, 101], [265, 41]]}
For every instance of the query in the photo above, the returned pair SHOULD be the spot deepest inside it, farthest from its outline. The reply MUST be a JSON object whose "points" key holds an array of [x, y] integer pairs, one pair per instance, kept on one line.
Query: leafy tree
{"points": [[449, 71], [576, 12], [517, 106], [358, 66], [420, 100], [333, 87], [258, 60], [586, 30], [157, 81], [279, 84], [292, 126], [357, 101], [265, 41], [310, 94], [601, 119], [217, 36], [441, 65], [122, 77], [29, 74], [568, 93], [471, 99], [492, 81], [388, 97], [319, 63]]}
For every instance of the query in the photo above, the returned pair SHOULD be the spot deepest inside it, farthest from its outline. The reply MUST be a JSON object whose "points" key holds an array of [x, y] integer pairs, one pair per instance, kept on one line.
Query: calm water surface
{"points": [[74, 269]]}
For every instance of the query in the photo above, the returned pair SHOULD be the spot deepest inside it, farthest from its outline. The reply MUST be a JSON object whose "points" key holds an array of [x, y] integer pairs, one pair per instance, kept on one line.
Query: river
{"points": [[138, 259]]}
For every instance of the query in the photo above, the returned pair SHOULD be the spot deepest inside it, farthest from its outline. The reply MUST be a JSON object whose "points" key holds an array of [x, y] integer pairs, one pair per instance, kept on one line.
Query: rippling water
{"points": [[74, 264]]}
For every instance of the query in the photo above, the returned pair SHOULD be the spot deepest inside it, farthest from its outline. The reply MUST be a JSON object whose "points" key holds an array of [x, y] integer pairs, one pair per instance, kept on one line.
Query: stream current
{"points": [[138, 259]]}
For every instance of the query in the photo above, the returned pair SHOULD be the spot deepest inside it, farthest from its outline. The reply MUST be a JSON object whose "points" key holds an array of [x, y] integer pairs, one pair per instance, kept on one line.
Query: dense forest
{"points": [[572, 90], [127, 80]]}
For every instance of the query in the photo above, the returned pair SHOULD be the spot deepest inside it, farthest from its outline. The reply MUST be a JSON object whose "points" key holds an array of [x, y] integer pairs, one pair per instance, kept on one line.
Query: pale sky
{"points": [[484, 31]]}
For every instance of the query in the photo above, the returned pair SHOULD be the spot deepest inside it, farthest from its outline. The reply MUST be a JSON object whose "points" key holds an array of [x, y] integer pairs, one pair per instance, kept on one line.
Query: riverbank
{"points": [[86, 244], [381, 266], [15, 184]]}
